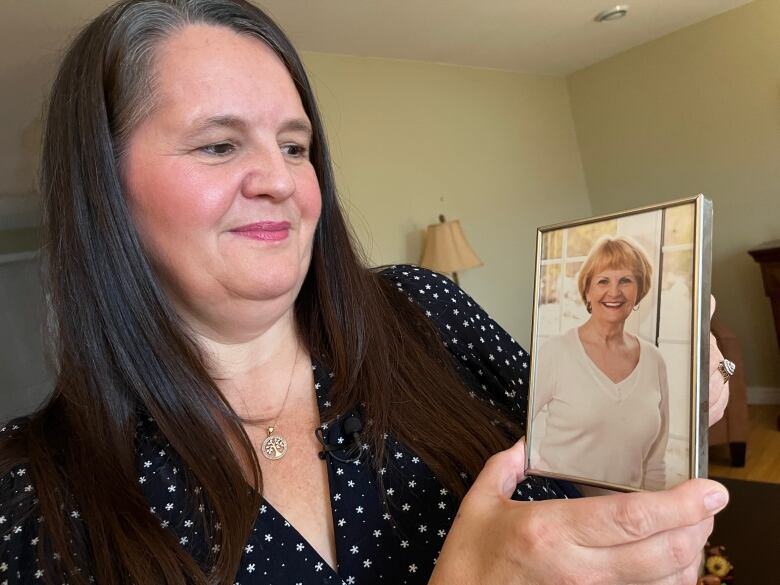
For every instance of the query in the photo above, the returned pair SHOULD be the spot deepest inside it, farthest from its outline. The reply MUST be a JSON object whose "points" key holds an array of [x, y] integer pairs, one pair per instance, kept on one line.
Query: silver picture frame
{"points": [[678, 326]]}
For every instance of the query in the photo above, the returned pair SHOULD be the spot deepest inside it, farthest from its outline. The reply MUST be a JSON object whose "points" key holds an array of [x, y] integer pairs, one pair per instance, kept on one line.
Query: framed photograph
{"points": [[620, 348]]}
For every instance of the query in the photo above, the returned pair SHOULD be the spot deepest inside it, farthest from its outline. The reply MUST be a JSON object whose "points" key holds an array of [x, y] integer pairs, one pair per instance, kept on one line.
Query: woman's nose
{"points": [[268, 175]]}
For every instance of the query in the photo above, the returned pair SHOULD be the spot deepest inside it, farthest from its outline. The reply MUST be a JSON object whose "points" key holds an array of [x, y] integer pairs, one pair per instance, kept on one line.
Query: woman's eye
{"points": [[295, 150], [218, 149]]}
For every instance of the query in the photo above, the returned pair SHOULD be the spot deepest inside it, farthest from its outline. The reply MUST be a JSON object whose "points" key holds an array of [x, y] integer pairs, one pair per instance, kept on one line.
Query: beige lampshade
{"points": [[446, 248]]}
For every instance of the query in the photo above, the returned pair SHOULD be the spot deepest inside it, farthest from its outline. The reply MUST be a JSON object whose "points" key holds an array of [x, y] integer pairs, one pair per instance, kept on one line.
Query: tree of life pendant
{"points": [[274, 446]]}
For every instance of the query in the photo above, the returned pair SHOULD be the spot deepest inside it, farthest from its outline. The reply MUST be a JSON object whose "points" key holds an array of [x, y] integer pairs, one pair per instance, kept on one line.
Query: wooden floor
{"points": [[763, 449]]}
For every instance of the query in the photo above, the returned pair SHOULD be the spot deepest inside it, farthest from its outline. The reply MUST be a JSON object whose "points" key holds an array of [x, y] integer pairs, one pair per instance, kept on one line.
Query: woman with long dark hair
{"points": [[238, 399]]}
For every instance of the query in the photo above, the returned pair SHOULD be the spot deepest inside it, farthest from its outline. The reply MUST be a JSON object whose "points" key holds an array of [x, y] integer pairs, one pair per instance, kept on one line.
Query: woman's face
{"points": [[218, 177], [612, 294]]}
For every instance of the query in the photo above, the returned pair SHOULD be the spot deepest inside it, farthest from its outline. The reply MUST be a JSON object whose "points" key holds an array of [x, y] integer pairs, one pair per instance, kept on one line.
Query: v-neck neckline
{"points": [[290, 527], [322, 377], [616, 387]]}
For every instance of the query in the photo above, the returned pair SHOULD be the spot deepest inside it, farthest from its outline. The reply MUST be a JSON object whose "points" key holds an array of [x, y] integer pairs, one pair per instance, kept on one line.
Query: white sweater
{"points": [[596, 429]]}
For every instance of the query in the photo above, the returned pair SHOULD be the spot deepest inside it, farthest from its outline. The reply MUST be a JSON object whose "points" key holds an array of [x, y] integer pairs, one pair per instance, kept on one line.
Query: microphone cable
{"points": [[353, 448]]}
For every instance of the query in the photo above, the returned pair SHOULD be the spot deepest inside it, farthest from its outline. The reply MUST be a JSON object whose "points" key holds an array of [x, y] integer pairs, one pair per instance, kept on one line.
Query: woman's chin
{"points": [[269, 289], [268, 282], [611, 318]]}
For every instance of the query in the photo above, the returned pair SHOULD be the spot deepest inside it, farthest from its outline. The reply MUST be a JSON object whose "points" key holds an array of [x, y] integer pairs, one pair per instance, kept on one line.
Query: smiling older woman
{"points": [[606, 390], [238, 399]]}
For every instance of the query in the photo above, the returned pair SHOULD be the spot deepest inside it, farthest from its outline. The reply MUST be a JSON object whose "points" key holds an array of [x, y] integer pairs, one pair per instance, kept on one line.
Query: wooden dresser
{"points": [[768, 256]]}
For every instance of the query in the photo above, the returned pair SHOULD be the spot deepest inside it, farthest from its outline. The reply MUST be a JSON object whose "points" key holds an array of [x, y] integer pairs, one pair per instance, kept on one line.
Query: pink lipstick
{"points": [[270, 231]]}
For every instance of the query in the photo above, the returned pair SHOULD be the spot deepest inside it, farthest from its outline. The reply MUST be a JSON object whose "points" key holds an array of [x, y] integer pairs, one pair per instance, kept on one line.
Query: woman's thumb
{"points": [[502, 472]]}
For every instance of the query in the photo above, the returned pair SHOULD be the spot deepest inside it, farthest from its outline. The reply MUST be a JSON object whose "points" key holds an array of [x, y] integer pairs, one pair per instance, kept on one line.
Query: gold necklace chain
{"points": [[275, 445]]}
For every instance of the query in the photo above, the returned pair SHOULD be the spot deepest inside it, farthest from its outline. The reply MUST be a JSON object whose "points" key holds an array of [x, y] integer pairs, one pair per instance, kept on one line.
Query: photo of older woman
{"points": [[605, 390]]}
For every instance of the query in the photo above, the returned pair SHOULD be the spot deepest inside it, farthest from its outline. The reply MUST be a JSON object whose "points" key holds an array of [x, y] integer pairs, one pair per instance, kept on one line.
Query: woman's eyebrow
{"points": [[220, 121], [297, 125], [236, 123]]}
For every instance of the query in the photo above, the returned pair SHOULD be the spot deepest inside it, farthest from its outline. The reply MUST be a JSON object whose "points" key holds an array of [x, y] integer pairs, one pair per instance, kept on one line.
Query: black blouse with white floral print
{"points": [[391, 537]]}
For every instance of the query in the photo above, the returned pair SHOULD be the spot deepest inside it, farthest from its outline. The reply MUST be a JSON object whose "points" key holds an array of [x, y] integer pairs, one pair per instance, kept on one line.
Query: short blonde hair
{"points": [[612, 253]]}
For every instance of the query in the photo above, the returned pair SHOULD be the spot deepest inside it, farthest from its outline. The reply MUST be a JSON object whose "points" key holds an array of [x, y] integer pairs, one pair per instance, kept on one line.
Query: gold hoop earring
{"points": [[636, 308]]}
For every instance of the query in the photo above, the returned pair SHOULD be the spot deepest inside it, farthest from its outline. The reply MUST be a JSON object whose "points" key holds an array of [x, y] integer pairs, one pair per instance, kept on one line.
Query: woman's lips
{"points": [[613, 305], [270, 231]]}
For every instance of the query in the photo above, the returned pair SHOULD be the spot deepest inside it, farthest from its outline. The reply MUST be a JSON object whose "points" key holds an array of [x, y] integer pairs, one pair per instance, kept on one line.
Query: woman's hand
{"points": [[719, 390], [649, 537]]}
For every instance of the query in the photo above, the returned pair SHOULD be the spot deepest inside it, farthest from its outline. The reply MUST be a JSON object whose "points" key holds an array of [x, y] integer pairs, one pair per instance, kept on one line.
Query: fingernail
{"points": [[715, 500]]}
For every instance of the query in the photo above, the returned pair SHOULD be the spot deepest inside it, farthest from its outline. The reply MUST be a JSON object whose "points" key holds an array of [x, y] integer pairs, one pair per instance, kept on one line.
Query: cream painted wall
{"points": [[698, 111], [411, 140], [496, 150]]}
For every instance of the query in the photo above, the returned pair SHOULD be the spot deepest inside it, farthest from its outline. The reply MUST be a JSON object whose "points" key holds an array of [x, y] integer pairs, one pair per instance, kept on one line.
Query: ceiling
{"points": [[548, 37]]}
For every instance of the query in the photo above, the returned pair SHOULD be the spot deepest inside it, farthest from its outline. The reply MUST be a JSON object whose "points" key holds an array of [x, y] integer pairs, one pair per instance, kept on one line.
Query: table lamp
{"points": [[446, 249]]}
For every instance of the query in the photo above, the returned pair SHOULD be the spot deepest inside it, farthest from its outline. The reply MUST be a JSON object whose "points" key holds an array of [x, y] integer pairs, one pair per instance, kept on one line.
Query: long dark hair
{"points": [[123, 353]]}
